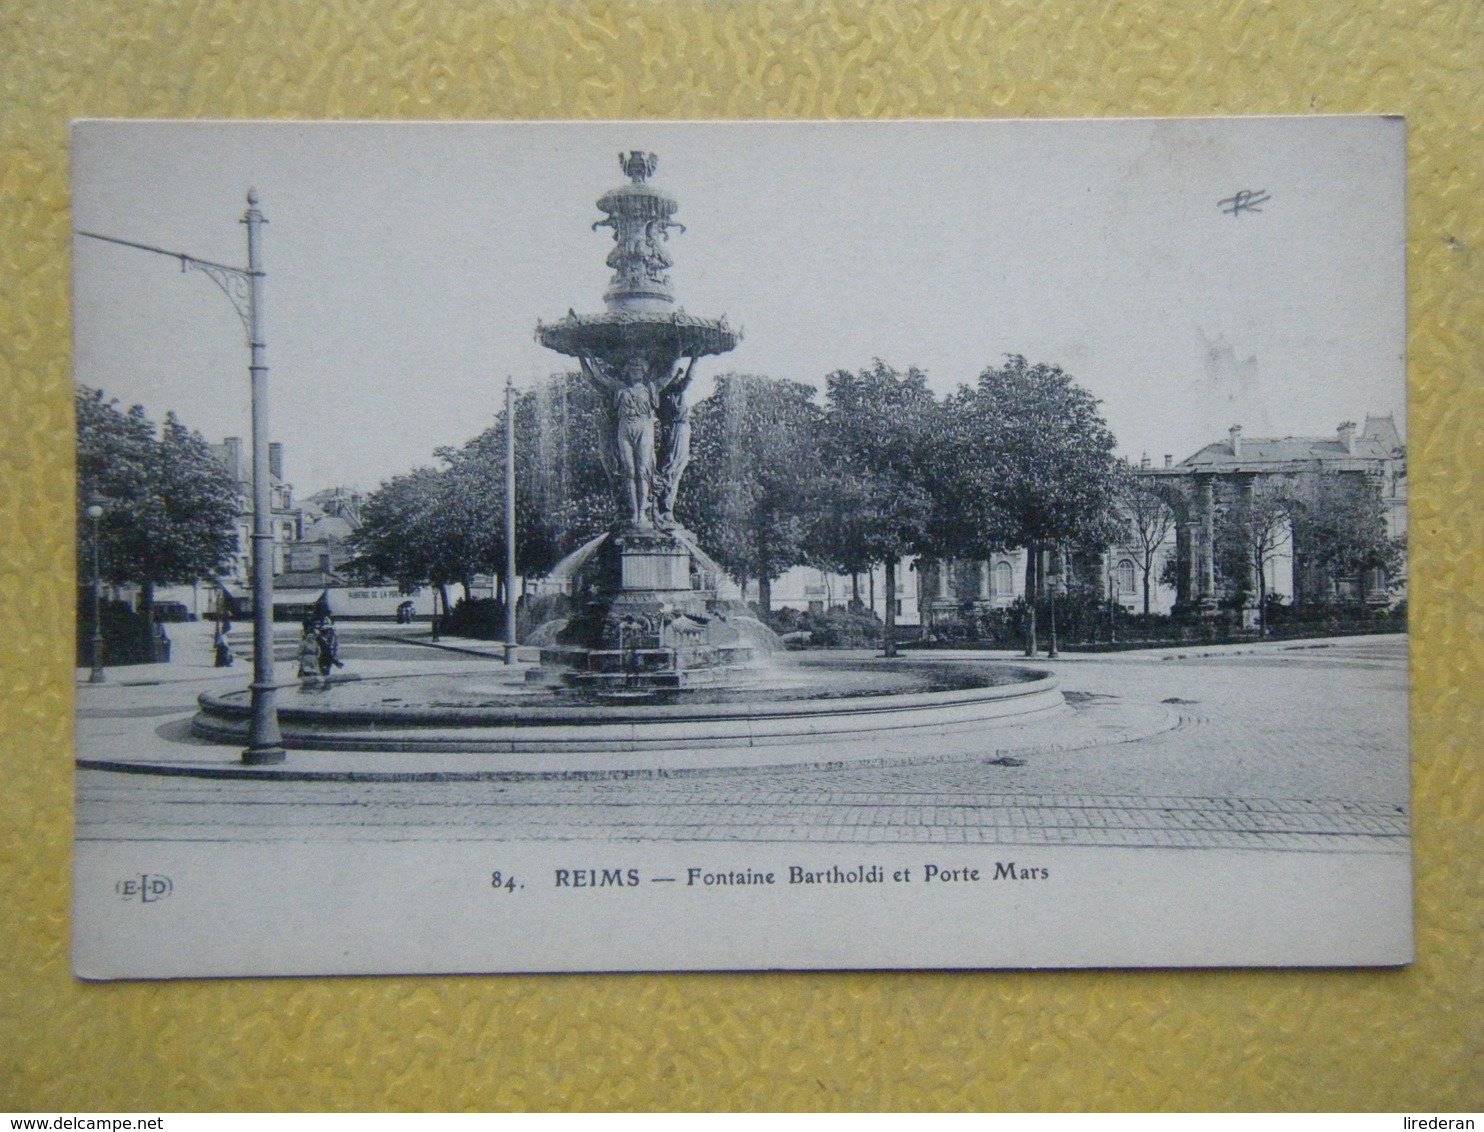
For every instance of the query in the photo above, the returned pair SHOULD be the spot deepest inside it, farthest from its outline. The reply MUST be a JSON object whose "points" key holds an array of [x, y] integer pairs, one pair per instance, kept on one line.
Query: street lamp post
{"points": [[264, 742], [1053, 587], [509, 521], [96, 676], [244, 289]]}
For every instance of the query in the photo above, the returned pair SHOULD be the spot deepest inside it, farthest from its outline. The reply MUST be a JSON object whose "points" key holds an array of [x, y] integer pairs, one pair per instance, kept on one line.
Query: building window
{"points": [[1004, 580], [1126, 576]]}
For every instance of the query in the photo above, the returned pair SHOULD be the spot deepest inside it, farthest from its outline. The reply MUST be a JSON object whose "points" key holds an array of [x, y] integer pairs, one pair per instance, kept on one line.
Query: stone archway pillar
{"points": [[1205, 549], [1186, 537], [1249, 568]]}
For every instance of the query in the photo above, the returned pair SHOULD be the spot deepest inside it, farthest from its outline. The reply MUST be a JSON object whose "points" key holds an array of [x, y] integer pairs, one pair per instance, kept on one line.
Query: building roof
{"points": [[331, 528], [342, 502], [1348, 448], [307, 579]]}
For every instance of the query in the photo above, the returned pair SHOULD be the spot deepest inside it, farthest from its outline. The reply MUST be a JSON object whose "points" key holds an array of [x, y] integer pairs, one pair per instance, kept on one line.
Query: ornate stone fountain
{"points": [[645, 608]]}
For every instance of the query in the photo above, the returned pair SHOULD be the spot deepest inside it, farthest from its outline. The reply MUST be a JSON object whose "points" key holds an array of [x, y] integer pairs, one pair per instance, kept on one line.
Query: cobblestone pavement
{"points": [[1293, 748]]}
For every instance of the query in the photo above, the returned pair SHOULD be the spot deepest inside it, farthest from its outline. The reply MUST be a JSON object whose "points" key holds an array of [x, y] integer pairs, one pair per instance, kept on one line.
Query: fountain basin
{"points": [[496, 712], [671, 334]]}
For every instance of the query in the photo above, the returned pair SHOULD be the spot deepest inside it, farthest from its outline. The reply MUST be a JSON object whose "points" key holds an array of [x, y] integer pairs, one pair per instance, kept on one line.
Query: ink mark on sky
{"points": [[1245, 201]]}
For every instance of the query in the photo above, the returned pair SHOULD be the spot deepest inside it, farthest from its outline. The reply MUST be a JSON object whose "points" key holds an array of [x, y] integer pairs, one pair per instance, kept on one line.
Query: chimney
{"points": [[1235, 432], [275, 460], [1144, 460], [232, 445], [1169, 460], [1347, 437]]}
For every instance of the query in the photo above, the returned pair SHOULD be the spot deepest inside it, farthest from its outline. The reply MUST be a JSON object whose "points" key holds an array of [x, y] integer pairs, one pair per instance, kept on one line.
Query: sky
{"points": [[407, 265]]}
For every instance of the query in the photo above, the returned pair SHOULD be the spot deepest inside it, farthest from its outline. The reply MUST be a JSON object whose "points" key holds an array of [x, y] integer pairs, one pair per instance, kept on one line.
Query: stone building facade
{"points": [[1368, 461], [288, 519], [1183, 559]]}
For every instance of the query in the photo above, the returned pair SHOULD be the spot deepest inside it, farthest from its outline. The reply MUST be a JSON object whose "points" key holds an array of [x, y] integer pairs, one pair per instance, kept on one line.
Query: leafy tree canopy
{"points": [[880, 446], [442, 525], [1339, 523], [169, 506], [410, 532], [1031, 463]]}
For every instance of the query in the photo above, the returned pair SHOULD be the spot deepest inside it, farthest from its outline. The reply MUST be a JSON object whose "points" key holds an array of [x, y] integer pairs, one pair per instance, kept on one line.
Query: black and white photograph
{"points": [[622, 546]]}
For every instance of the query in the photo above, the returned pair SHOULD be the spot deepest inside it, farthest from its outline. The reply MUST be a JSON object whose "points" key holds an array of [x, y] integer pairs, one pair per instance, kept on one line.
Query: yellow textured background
{"points": [[1260, 1039]]}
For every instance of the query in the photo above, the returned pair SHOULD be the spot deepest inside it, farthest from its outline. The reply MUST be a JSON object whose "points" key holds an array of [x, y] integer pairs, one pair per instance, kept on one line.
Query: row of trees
{"points": [[881, 469], [885, 469], [440, 526], [169, 505]]}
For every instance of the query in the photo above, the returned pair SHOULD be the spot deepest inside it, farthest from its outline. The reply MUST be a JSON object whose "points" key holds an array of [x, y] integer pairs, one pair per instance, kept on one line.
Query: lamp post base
{"points": [[263, 756]]}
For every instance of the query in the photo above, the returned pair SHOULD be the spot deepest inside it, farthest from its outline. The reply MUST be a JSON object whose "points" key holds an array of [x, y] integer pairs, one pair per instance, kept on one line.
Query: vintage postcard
{"points": [[675, 546]]}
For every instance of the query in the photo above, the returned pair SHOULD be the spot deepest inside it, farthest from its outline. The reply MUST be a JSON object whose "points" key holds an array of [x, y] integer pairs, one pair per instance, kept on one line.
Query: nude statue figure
{"points": [[633, 404], [674, 418]]}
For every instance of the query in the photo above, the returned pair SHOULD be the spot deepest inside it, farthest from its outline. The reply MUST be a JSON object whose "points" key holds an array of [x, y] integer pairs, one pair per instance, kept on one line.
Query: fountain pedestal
{"points": [[653, 561], [646, 610]]}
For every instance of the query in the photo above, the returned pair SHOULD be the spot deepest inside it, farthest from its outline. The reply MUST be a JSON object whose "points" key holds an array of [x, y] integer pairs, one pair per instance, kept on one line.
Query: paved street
{"points": [[1298, 746]]}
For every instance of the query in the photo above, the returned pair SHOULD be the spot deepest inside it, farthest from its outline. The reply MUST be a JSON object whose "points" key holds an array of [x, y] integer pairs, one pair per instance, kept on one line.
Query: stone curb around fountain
{"points": [[619, 729], [1100, 725]]}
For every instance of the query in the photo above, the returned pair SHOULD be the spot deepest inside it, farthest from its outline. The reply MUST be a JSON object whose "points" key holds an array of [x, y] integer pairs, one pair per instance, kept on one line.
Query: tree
{"points": [[169, 506], [847, 510], [1149, 522], [1250, 533], [1029, 464], [1339, 531], [416, 530], [753, 476], [875, 504], [440, 526]]}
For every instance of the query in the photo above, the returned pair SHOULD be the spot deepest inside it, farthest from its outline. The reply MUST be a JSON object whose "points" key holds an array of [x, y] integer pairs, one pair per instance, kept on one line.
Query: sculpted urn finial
{"points": [[638, 166]]}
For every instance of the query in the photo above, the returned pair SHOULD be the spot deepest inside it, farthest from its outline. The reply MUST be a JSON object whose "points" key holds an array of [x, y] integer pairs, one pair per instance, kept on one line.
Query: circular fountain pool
{"points": [[495, 710]]}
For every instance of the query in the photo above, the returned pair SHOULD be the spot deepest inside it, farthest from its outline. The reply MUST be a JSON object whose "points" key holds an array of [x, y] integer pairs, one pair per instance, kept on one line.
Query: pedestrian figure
{"points": [[309, 654], [329, 646], [223, 644]]}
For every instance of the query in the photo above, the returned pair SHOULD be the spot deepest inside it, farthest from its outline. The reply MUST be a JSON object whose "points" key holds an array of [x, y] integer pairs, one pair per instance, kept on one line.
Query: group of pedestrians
{"points": [[319, 648]]}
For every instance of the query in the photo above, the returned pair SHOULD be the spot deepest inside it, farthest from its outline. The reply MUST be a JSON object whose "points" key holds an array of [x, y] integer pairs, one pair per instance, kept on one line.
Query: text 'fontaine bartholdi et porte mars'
{"points": [[643, 601]]}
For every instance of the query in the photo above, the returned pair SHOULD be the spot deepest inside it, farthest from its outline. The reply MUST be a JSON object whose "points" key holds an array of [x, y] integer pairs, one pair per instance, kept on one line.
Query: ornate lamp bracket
{"points": [[234, 282]]}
